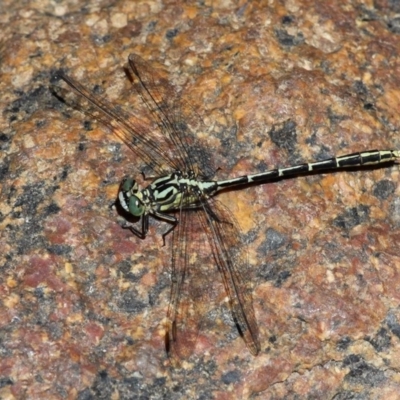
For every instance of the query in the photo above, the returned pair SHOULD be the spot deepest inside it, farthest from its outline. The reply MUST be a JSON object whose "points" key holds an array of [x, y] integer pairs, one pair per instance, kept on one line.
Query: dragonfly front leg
{"points": [[141, 233]]}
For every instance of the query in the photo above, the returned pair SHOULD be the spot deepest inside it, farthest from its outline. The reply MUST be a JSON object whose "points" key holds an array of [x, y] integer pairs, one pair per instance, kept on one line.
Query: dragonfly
{"points": [[182, 194]]}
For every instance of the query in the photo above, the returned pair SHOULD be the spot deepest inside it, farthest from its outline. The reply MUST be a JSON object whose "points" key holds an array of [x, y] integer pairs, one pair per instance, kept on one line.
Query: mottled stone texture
{"points": [[82, 301]]}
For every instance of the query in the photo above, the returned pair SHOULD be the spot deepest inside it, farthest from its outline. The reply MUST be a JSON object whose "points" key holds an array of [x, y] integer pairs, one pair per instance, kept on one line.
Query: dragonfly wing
{"points": [[137, 133], [163, 135], [195, 289], [231, 258], [173, 115], [209, 232], [186, 303]]}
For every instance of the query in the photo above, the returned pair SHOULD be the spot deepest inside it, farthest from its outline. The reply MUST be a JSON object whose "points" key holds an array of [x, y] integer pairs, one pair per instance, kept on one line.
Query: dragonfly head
{"points": [[129, 197]]}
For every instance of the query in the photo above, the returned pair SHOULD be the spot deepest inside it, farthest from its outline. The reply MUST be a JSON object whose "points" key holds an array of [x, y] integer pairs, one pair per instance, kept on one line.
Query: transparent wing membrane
{"points": [[231, 258]]}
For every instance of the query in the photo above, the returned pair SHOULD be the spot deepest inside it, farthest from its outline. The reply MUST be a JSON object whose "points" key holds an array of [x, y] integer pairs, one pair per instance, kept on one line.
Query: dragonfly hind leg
{"points": [[167, 218]]}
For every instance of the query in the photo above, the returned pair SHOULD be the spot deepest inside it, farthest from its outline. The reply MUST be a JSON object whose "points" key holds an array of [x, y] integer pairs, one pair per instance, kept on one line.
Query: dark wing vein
{"points": [[182, 332], [163, 103], [162, 137], [174, 116], [210, 227], [133, 131], [225, 240]]}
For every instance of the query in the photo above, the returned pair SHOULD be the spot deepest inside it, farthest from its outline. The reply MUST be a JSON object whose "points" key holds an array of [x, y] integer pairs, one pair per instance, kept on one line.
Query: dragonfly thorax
{"points": [[166, 193]]}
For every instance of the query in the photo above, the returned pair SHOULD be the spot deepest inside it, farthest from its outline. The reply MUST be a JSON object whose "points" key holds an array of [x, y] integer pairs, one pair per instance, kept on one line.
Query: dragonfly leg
{"points": [[168, 218], [141, 233], [164, 235]]}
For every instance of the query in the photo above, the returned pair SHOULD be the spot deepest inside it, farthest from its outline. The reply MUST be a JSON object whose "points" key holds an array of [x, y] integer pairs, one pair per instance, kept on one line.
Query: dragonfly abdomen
{"points": [[372, 157]]}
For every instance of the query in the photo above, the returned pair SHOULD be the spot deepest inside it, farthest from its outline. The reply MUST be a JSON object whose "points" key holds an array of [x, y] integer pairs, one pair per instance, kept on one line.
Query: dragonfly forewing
{"points": [[174, 117]]}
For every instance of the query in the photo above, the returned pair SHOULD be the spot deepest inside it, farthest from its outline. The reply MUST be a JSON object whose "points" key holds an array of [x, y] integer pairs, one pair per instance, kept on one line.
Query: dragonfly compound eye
{"points": [[128, 184], [136, 207]]}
